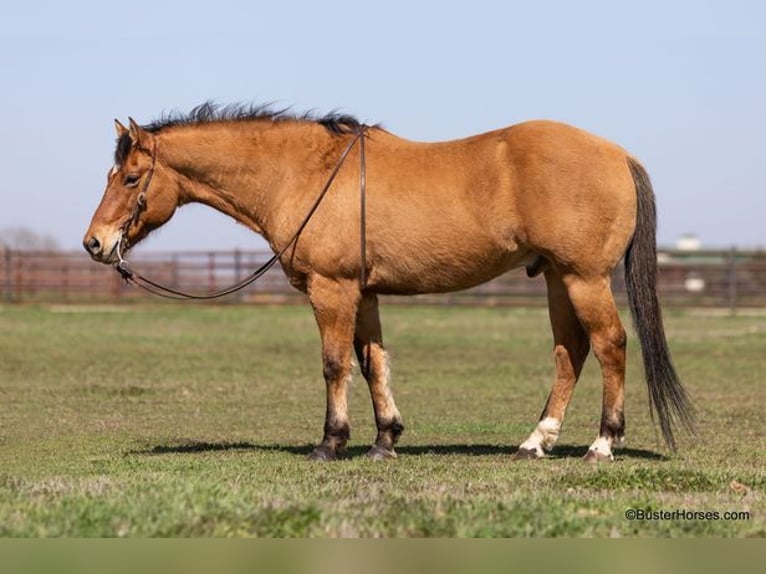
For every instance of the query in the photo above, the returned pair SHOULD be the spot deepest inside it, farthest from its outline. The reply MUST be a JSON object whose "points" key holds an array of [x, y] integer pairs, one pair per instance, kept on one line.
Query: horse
{"points": [[437, 217]]}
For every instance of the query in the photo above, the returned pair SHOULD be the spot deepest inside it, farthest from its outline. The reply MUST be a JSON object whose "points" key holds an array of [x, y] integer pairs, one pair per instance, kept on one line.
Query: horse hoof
{"points": [[527, 454], [322, 454], [594, 457], [380, 453]]}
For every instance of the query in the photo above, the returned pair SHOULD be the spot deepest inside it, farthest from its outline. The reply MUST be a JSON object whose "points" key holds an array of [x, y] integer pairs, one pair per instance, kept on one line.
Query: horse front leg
{"points": [[373, 362], [335, 304]]}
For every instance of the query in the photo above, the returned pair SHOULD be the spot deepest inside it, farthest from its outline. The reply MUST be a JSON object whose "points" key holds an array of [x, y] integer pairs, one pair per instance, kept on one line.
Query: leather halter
{"points": [[141, 199], [131, 276]]}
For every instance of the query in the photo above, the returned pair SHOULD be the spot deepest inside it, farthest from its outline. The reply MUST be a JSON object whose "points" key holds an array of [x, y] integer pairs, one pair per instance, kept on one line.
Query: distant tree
{"points": [[22, 238]]}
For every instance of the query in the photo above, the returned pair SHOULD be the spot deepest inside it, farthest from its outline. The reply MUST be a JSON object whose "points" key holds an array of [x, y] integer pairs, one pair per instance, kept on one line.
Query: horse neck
{"points": [[249, 171]]}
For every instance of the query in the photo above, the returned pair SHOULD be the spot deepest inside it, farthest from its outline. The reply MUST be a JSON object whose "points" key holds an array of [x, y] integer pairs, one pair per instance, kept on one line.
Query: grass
{"points": [[190, 420]]}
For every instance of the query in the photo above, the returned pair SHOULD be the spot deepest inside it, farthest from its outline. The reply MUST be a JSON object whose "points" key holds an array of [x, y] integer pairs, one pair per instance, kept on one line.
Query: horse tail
{"points": [[667, 396]]}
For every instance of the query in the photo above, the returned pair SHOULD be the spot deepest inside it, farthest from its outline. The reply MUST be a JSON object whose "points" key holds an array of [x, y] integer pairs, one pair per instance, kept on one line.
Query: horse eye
{"points": [[131, 180]]}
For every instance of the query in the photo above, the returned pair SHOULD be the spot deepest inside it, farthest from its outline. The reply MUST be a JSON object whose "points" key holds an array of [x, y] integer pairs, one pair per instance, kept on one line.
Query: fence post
{"points": [[174, 280], [17, 277], [65, 282], [238, 271], [116, 281], [8, 283], [211, 271], [732, 291]]}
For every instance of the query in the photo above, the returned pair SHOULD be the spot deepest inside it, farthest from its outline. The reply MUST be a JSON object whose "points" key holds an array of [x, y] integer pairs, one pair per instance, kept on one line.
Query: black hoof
{"points": [[595, 457], [526, 454], [379, 453], [322, 454]]}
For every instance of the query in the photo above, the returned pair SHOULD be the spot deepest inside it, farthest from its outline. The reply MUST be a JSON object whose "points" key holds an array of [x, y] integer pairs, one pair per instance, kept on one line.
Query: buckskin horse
{"points": [[435, 217]]}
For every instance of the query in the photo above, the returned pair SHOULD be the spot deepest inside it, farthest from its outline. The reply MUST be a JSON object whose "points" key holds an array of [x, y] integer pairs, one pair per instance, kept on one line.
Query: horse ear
{"points": [[138, 134], [120, 129]]}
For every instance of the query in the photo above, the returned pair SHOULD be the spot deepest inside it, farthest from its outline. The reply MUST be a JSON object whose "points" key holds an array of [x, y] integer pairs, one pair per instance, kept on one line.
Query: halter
{"points": [[122, 264], [131, 276]]}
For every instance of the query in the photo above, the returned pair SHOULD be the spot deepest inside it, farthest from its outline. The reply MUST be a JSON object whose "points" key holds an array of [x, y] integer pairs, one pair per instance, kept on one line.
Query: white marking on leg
{"points": [[386, 381], [603, 447], [543, 437]]}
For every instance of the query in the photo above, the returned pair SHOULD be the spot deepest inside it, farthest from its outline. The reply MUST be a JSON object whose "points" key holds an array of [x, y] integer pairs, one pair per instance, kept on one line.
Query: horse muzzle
{"points": [[102, 248]]}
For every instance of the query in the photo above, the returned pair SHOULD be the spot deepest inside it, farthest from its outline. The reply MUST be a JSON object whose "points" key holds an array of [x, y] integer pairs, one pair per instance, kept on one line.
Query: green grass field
{"points": [[190, 420]]}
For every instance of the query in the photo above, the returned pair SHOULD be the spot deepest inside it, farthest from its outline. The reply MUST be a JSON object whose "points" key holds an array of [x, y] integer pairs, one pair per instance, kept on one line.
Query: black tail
{"points": [[668, 397]]}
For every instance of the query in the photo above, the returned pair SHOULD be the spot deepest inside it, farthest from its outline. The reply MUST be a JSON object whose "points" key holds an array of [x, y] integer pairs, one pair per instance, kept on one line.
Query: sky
{"points": [[680, 84]]}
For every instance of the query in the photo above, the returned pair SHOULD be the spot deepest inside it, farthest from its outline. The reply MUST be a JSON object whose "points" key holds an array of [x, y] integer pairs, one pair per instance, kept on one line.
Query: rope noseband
{"points": [[131, 276]]}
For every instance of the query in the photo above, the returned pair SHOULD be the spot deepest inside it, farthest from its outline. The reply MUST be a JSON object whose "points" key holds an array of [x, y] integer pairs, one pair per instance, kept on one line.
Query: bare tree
{"points": [[22, 238]]}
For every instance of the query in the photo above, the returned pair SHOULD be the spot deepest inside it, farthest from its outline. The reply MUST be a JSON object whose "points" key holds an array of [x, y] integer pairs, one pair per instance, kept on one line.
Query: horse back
{"points": [[451, 215]]}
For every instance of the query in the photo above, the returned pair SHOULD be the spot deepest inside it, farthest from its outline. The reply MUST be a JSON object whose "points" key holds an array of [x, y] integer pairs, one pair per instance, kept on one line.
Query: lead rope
{"points": [[131, 276]]}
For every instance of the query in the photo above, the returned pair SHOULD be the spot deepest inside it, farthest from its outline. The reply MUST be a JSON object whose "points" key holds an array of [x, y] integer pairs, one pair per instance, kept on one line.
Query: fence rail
{"points": [[729, 279]]}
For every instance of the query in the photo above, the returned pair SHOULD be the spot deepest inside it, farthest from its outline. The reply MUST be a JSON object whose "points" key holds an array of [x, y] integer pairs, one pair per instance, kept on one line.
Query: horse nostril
{"points": [[93, 245]]}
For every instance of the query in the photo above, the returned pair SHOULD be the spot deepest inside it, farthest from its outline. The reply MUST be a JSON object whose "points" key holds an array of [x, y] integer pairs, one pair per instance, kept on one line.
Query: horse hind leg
{"points": [[373, 362], [570, 350], [595, 307]]}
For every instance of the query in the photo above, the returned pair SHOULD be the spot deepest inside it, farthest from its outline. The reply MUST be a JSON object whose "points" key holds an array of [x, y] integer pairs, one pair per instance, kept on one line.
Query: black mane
{"points": [[210, 112]]}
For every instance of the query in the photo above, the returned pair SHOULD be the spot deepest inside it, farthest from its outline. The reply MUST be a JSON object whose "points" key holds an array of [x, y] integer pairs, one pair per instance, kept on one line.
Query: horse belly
{"points": [[442, 267]]}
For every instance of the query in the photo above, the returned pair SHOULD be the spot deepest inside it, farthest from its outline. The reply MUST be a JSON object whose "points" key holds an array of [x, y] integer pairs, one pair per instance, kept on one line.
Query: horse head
{"points": [[141, 195]]}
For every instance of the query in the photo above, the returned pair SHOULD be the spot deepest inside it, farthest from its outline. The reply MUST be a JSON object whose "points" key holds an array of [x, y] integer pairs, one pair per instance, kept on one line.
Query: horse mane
{"points": [[210, 112]]}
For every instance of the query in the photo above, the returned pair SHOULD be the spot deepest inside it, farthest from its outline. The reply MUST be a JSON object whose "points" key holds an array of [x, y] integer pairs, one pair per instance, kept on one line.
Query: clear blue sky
{"points": [[682, 85]]}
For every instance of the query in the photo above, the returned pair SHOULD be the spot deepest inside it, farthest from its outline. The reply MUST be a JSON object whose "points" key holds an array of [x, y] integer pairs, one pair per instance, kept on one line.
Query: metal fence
{"points": [[729, 279]]}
